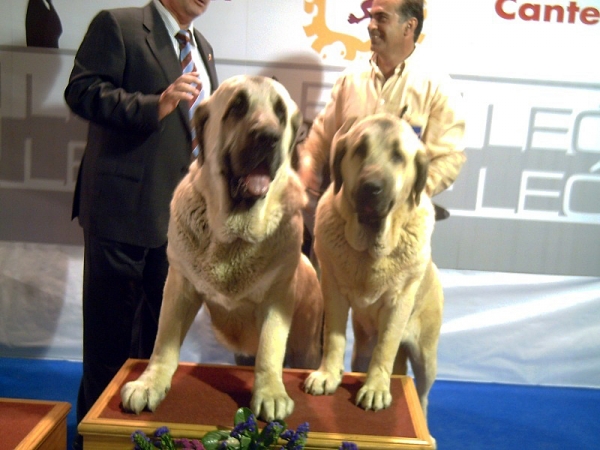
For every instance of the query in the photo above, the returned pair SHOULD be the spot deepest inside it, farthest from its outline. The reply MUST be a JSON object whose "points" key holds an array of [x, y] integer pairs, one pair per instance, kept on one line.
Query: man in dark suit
{"points": [[127, 82]]}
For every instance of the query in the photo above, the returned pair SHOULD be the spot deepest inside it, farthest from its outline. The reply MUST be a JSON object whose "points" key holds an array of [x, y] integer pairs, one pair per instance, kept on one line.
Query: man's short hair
{"points": [[412, 8]]}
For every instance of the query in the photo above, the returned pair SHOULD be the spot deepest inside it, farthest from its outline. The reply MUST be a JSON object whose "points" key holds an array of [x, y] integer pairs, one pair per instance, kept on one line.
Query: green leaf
{"points": [[212, 439], [245, 441], [142, 442], [241, 415], [167, 442]]}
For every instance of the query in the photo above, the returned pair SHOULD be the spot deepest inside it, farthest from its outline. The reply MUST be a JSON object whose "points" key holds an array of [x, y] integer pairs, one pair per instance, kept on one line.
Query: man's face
{"points": [[385, 28], [185, 11]]}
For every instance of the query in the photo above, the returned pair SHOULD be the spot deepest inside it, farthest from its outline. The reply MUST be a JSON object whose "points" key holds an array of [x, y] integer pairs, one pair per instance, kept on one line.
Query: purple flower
{"points": [[191, 444], [197, 445]]}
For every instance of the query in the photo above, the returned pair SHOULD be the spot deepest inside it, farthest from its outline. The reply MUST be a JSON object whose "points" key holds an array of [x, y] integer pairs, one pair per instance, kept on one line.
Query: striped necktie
{"points": [[187, 65]]}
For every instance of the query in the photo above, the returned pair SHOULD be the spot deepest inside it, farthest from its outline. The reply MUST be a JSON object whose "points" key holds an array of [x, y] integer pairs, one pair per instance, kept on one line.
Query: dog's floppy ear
{"points": [[295, 123], [200, 117], [339, 146], [336, 166], [422, 170]]}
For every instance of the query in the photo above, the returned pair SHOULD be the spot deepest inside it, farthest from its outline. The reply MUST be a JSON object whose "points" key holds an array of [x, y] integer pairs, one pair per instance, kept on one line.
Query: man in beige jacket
{"points": [[398, 80]]}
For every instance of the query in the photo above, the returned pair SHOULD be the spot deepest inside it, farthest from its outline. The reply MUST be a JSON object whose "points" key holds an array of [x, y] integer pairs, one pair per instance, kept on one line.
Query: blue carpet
{"points": [[462, 416], [39, 379]]}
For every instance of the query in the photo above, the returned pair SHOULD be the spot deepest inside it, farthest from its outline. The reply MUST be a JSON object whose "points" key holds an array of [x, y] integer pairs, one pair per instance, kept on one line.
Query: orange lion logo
{"points": [[325, 37]]}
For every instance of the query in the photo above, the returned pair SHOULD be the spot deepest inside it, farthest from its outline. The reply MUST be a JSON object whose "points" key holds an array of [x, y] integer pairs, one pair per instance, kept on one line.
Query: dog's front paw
{"points": [[271, 403], [139, 395], [322, 382], [374, 397]]}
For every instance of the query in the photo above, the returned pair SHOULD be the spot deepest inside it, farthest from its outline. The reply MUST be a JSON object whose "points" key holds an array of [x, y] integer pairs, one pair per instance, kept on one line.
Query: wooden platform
{"points": [[205, 397], [33, 424]]}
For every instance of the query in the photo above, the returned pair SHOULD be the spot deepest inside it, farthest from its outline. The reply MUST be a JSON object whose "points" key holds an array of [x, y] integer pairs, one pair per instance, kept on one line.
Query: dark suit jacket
{"points": [[132, 162]]}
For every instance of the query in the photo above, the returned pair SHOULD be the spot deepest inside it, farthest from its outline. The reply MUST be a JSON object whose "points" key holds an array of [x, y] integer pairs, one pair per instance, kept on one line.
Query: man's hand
{"points": [[186, 87]]}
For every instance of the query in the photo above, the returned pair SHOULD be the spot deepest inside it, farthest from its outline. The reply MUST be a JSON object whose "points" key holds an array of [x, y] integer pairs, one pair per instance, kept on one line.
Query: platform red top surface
{"points": [[18, 419], [210, 395]]}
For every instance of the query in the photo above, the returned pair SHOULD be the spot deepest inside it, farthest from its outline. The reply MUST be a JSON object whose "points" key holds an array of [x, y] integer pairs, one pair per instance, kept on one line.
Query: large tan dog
{"points": [[234, 244], [372, 240]]}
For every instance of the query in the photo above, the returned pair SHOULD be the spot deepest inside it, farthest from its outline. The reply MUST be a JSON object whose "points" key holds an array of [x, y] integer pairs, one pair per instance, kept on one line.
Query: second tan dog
{"points": [[372, 239], [235, 234]]}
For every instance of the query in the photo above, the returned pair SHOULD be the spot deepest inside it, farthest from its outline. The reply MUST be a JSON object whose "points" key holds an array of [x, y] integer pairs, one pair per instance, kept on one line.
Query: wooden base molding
{"points": [[205, 397], [33, 424]]}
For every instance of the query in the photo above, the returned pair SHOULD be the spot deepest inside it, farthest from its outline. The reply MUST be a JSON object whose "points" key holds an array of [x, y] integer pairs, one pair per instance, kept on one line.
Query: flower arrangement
{"points": [[245, 435]]}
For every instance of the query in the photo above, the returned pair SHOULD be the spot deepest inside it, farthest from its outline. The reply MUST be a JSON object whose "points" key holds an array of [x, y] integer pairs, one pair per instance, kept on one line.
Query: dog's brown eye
{"points": [[362, 148], [397, 157], [238, 107], [396, 154], [280, 111]]}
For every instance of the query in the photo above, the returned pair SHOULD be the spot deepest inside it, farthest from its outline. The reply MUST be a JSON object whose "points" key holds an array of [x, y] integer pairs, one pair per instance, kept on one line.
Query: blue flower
{"points": [[268, 435], [249, 425], [297, 439], [303, 428], [287, 434], [140, 440], [139, 433], [161, 431], [348, 446], [272, 428]]}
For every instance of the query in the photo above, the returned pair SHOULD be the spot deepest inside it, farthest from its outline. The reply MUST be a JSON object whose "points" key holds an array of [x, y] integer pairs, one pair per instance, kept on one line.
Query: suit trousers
{"points": [[122, 295]]}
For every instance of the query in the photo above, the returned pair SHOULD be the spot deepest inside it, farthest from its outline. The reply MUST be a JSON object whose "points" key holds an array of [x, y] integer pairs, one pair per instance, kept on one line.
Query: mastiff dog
{"points": [[373, 243], [234, 241]]}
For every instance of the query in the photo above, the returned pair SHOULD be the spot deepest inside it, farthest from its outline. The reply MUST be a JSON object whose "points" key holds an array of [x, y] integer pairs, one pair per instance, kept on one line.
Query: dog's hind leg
{"points": [[423, 362], [305, 341], [363, 347], [181, 304], [401, 362], [422, 342], [424, 366]]}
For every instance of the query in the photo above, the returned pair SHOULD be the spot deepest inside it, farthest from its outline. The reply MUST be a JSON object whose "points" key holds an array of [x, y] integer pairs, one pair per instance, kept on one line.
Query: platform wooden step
{"points": [[205, 397], [33, 424]]}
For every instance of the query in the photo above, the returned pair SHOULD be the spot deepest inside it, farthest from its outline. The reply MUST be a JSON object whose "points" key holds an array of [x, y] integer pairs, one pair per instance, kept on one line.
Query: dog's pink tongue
{"points": [[257, 184]]}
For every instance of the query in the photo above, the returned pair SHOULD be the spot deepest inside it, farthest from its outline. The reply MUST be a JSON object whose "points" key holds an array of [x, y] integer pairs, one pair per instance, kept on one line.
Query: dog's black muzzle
{"points": [[373, 202], [258, 163]]}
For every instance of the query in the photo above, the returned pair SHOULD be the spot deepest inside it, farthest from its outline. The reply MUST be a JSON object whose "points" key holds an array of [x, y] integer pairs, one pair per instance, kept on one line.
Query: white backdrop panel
{"points": [[498, 327], [526, 202]]}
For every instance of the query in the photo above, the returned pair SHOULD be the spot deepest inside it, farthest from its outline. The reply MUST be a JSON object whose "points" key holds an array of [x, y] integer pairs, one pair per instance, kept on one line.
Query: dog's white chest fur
{"points": [[363, 272], [233, 269]]}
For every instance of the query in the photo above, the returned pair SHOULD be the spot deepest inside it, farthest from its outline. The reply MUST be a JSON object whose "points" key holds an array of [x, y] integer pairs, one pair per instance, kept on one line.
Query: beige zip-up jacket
{"points": [[430, 104]]}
